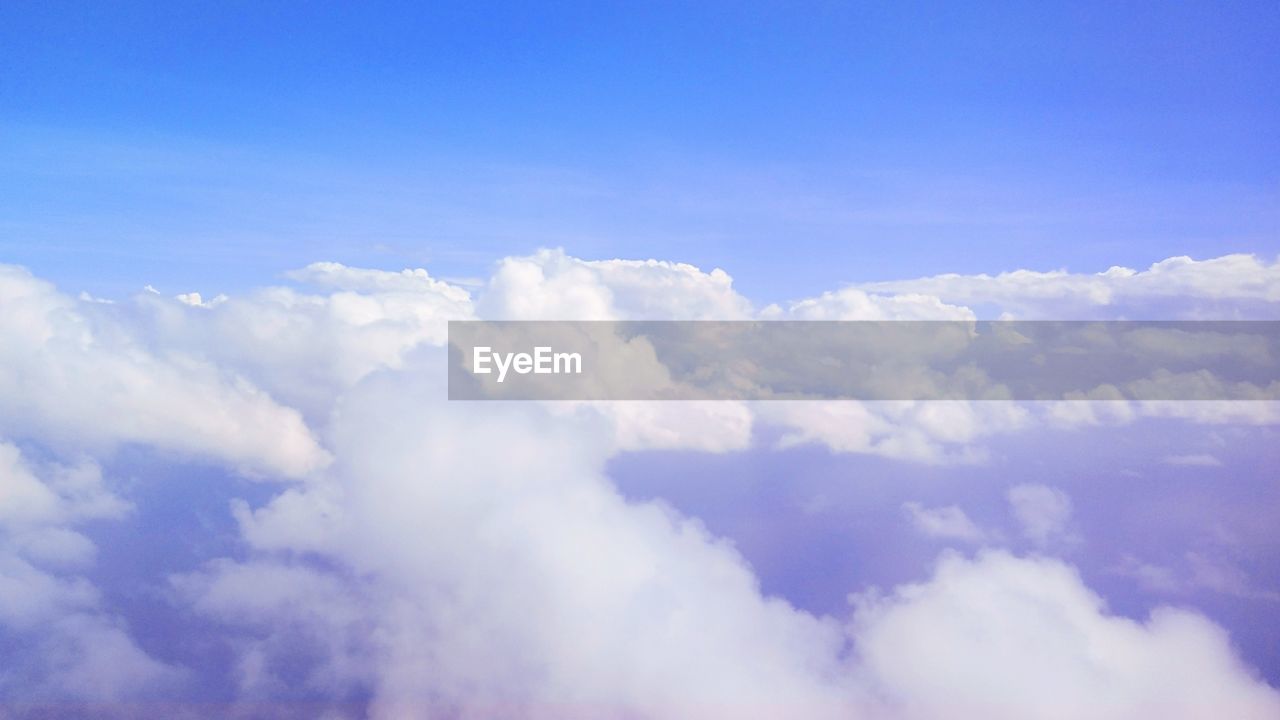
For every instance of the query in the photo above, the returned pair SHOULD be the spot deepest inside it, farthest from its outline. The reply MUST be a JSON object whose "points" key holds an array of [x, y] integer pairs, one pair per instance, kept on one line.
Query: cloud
{"points": [[1195, 571], [300, 633], [1104, 409], [474, 560], [524, 556], [949, 523], [1004, 637], [1227, 286], [59, 644], [410, 280], [928, 432], [36, 514], [306, 348], [1044, 513], [550, 285], [854, 304], [704, 426], [78, 378], [1222, 576]]}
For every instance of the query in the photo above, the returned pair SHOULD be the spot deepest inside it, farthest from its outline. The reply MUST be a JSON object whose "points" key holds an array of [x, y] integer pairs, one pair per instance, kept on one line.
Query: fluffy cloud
{"points": [[59, 644], [854, 304], [305, 348], [36, 514], [529, 573], [705, 426], [501, 497], [77, 378], [448, 299], [1228, 287], [475, 559], [1003, 637], [550, 285]]}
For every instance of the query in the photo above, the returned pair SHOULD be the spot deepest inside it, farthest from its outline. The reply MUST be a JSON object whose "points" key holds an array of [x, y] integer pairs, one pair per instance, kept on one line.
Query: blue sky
{"points": [[264, 503], [214, 147]]}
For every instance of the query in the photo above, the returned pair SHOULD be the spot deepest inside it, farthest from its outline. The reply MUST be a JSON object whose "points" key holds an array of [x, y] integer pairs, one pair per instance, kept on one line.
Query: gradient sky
{"points": [[213, 147]]}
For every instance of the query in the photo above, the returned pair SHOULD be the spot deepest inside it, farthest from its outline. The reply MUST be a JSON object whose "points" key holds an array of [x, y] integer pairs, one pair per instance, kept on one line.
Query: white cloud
{"points": [[1002, 637], [194, 300], [81, 380], [525, 556], [274, 607], [465, 557], [949, 523], [75, 650], [1192, 288], [854, 304], [1104, 409], [410, 280], [36, 513], [930, 432], [305, 349], [1044, 513], [550, 285], [705, 426]]}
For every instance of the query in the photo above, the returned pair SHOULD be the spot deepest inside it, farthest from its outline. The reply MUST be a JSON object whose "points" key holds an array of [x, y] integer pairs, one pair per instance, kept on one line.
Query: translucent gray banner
{"points": [[890, 360]]}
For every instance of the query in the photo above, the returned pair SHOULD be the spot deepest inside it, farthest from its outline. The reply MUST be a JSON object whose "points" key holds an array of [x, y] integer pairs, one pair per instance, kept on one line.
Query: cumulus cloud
{"points": [[79, 380], [1227, 287], [475, 526], [854, 304], [551, 285], [472, 560], [524, 556], [1004, 637], [306, 347], [504, 499], [410, 280]]}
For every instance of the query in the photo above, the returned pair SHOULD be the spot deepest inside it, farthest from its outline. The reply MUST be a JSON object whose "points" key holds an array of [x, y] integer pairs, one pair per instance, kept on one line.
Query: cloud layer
{"points": [[420, 557]]}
